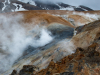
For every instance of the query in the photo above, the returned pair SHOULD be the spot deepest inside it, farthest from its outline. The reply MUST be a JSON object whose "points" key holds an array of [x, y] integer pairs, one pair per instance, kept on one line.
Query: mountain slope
{"points": [[86, 59], [24, 5], [57, 25]]}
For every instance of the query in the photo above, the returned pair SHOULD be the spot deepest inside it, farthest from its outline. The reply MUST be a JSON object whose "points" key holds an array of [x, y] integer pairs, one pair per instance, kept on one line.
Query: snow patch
{"points": [[8, 1], [28, 1], [84, 9], [4, 5], [19, 7], [68, 8], [75, 32]]}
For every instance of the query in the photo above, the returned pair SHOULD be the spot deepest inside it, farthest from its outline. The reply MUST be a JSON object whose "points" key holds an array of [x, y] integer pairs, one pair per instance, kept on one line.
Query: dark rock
{"points": [[48, 73], [79, 9], [47, 6], [27, 70], [1, 5], [61, 31], [87, 8], [67, 73], [28, 6], [75, 64], [63, 5], [14, 72], [78, 29]]}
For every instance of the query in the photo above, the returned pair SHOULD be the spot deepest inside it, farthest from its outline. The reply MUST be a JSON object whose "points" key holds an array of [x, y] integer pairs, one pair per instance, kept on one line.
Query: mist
{"points": [[14, 40]]}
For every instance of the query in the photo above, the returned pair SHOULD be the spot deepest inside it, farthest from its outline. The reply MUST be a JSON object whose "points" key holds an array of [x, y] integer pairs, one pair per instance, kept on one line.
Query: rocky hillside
{"points": [[82, 62], [39, 36], [24, 5], [85, 60]]}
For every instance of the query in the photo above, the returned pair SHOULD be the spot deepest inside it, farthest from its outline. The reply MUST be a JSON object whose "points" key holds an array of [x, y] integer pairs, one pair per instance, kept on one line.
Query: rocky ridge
{"points": [[23, 5]]}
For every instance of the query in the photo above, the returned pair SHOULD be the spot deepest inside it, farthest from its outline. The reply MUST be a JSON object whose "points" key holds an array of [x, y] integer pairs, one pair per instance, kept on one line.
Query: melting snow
{"points": [[75, 32], [4, 5], [20, 7], [84, 9], [8, 2], [30, 2], [68, 8]]}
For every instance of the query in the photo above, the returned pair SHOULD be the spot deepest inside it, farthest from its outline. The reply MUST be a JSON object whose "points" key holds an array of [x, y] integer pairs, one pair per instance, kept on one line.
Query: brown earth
{"points": [[82, 62], [51, 16], [85, 60], [46, 17], [88, 35]]}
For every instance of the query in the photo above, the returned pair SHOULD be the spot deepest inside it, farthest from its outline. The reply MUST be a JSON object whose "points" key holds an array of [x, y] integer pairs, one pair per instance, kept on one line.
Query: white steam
{"points": [[90, 16], [14, 40], [68, 46], [44, 39]]}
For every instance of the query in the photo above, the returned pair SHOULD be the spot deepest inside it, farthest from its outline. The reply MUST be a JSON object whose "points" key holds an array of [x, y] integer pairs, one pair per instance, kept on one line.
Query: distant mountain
{"points": [[22, 5]]}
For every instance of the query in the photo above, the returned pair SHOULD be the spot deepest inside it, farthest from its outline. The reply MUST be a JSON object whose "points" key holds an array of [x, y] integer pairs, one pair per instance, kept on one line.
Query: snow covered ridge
{"points": [[20, 5], [48, 5], [28, 1]]}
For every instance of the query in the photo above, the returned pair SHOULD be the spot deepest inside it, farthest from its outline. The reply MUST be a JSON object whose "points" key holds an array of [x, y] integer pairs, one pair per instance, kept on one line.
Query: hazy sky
{"points": [[94, 4]]}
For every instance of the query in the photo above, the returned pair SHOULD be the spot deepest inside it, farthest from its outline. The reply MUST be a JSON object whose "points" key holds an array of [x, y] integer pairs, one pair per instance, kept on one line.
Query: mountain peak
{"points": [[24, 5]]}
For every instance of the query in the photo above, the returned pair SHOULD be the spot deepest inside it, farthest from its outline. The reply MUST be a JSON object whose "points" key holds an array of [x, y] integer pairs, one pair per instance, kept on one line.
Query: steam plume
{"points": [[14, 40]]}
